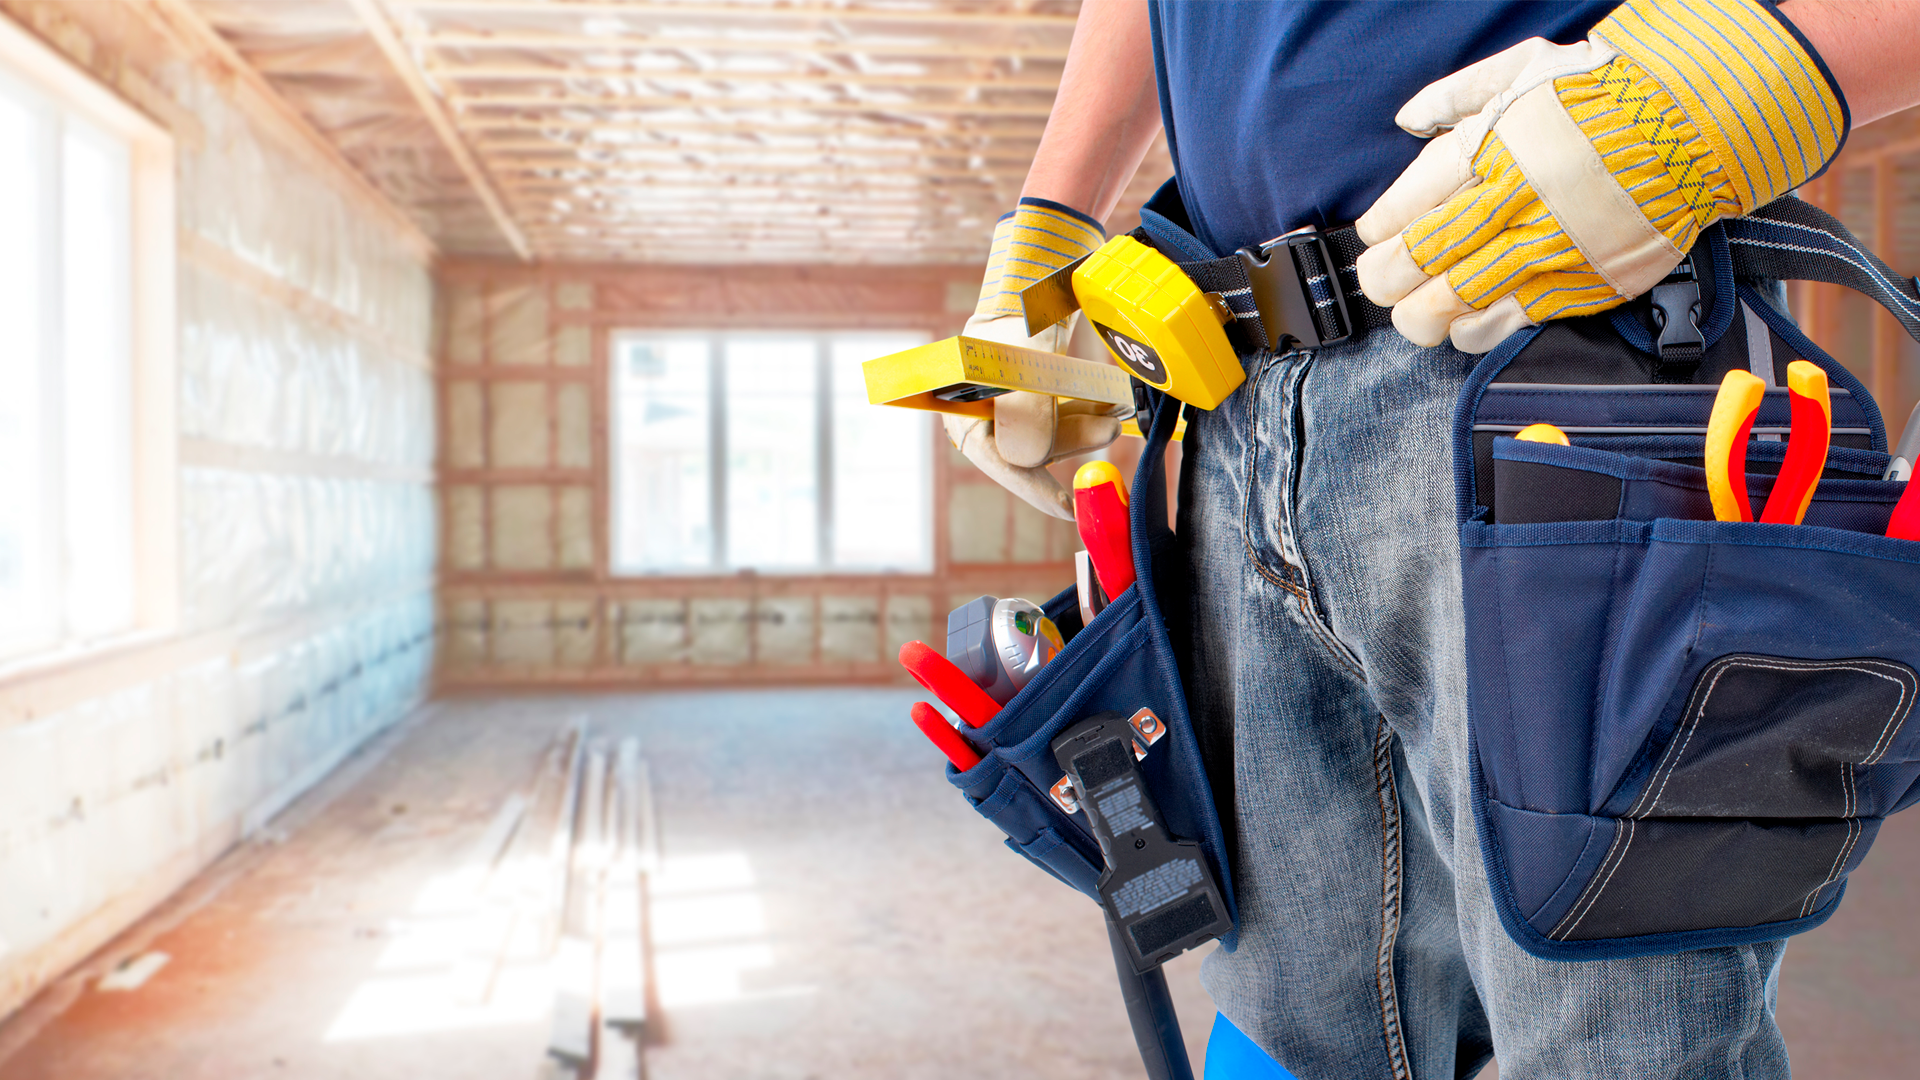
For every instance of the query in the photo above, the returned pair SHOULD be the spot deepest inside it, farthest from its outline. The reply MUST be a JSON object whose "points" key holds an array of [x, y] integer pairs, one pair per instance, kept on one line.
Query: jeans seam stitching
{"points": [[1387, 792], [1320, 630]]}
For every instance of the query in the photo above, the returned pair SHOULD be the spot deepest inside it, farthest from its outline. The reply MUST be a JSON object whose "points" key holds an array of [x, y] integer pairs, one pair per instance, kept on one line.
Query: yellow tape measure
{"points": [[1155, 321], [1158, 323], [963, 375]]}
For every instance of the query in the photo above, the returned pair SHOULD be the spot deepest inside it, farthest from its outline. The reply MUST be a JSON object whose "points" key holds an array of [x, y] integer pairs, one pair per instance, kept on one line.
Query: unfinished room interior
{"points": [[454, 578]]}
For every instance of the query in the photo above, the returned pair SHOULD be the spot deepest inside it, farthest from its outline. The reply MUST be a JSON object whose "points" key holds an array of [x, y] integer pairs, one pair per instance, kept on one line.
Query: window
{"points": [[72, 425], [760, 451]]}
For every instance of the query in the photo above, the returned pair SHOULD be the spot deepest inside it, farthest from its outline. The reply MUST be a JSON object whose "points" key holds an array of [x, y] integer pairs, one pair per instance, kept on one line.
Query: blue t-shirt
{"points": [[1281, 114]]}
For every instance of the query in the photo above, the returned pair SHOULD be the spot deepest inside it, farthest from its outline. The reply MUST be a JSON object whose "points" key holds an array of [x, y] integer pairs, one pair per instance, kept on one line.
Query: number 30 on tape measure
{"points": [[1157, 323]]}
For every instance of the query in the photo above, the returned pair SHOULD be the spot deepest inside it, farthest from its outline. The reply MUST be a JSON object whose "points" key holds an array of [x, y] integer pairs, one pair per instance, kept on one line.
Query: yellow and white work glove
{"points": [[1572, 178], [1030, 430]]}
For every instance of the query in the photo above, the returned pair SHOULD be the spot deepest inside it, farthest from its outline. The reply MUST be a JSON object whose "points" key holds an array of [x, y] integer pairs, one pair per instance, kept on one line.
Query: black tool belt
{"points": [[1301, 286], [1302, 290]]}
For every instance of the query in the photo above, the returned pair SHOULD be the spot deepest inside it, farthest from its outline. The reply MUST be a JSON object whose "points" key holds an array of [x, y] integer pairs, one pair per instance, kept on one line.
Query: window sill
{"points": [[54, 663]]}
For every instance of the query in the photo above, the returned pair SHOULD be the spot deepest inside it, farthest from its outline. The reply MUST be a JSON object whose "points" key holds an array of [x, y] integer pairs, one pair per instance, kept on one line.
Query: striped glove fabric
{"points": [[1038, 238], [1571, 178], [1030, 430]]}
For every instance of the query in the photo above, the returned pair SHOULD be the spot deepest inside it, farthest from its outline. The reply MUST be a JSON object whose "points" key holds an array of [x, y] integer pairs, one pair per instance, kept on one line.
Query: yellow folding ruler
{"points": [[963, 375]]}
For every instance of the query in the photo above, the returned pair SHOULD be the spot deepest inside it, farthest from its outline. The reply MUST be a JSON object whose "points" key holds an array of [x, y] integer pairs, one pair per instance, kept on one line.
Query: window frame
{"points": [[716, 340], [152, 386]]}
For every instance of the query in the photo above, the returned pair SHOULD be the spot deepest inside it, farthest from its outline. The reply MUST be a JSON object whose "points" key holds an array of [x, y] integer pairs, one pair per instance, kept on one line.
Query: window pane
{"points": [[772, 484], [27, 614], [882, 505], [662, 467], [98, 444]]}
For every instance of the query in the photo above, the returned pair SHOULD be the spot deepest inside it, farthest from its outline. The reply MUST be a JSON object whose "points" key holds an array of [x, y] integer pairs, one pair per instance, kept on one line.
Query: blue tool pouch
{"points": [[1684, 732], [1121, 661]]}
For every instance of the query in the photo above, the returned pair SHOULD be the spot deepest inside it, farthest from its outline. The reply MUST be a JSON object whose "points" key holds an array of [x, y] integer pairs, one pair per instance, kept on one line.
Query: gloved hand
{"points": [[1572, 178], [1030, 430]]}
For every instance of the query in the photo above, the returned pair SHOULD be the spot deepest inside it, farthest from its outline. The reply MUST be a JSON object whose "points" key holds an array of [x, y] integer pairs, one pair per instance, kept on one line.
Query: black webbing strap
{"points": [[1794, 240], [1287, 290]]}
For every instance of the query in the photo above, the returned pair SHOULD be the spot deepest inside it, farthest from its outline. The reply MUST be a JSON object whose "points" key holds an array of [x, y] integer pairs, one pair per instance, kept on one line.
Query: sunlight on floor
{"points": [[472, 952], [710, 932]]}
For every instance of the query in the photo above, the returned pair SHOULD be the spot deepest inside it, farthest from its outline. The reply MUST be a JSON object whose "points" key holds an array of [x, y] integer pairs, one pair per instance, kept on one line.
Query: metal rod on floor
{"points": [[563, 830], [571, 1039], [624, 993], [1156, 1027]]}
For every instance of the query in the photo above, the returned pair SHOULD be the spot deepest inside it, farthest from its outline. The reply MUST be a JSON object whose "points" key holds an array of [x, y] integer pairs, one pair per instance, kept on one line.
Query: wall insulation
{"points": [[306, 517], [527, 595]]}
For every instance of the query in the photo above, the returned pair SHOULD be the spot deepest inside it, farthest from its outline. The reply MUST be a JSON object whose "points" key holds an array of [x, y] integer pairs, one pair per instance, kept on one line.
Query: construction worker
{"points": [[1508, 163]]}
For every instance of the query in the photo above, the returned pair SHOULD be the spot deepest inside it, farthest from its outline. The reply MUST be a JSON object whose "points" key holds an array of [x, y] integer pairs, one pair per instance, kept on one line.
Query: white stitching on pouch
{"points": [[1631, 828], [1854, 831], [1699, 707], [1619, 835]]}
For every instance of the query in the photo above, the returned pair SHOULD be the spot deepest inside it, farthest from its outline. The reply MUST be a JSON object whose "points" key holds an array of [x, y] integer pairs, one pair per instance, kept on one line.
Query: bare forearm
{"points": [[1106, 114], [1871, 46]]}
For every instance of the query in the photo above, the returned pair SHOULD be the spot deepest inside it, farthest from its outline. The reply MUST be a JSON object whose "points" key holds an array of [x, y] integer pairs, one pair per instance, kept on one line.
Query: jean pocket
{"points": [[1276, 428]]}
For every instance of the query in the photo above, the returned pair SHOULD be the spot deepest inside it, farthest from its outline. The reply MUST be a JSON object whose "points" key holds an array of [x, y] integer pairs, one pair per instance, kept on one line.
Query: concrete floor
{"points": [[829, 907]]}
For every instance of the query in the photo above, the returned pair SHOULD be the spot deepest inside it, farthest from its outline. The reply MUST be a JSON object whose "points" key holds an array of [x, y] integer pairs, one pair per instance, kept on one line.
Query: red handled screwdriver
{"points": [[1906, 515], [1100, 510]]}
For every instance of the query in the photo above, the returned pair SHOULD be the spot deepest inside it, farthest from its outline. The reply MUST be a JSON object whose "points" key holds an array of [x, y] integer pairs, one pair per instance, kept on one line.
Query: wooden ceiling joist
{"points": [[729, 144], [544, 73], [855, 131], [775, 157], [430, 106], [990, 128], [719, 177], [633, 196], [632, 102], [930, 49], [954, 15]]}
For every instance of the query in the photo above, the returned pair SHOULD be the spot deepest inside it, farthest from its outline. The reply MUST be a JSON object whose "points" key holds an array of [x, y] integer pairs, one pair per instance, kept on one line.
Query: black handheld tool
{"points": [[1158, 891]]}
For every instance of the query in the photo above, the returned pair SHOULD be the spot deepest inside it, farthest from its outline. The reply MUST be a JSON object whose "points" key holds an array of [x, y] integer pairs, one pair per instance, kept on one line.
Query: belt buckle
{"points": [[1281, 293]]}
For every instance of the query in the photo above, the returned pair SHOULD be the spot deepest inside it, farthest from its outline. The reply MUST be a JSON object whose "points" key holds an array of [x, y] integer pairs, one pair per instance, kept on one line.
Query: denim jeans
{"points": [[1327, 679]]}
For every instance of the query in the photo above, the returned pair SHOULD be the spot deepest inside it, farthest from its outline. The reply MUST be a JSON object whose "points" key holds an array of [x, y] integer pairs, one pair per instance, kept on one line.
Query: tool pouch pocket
{"points": [[1684, 732], [1122, 661]]}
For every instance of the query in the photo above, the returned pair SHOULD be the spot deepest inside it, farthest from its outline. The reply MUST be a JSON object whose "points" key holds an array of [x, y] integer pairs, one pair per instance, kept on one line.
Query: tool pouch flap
{"points": [[1684, 732], [1121, 662]]}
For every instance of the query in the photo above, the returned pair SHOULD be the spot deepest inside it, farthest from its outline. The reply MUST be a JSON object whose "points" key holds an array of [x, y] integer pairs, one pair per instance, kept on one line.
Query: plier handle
{"points": [[1734, 409], [1807, 445]]}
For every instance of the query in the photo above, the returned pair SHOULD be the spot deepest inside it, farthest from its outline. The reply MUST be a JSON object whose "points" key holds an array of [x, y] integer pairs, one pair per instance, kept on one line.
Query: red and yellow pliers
{"points": [[1727, 429], [1733, 411]]}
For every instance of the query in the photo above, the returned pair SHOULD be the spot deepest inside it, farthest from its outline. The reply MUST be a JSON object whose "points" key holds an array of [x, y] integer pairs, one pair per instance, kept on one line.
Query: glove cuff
{"points": [[1753, 89], [1039, 237]]}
